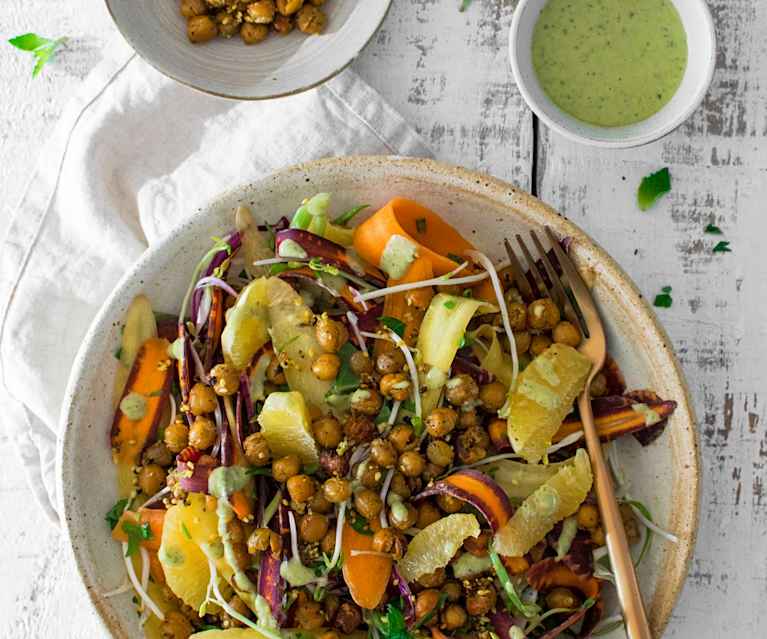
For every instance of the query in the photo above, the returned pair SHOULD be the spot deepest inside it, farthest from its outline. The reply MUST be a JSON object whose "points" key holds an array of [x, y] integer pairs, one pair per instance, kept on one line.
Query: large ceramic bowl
{"points": [[278, 66], [665, 475]]}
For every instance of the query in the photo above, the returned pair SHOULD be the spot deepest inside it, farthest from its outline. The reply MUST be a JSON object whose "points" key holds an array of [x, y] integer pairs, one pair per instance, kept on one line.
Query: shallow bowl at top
{"points": [[278, 66], [666, 475]]}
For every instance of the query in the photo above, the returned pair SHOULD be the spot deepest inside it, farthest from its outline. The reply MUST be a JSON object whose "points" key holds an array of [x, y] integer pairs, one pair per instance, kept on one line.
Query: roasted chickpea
{"points": [[256, 449], [191, 8], [402, 516], [370, 475], [588, 516], [453, 590], [288, 7], [411, 463], [367, 401], [562, 598], [454, 617], [433, 579], [348, 618], [327, 431], [598, 536], [383, 453], [202, 399], [336, 490], [630, 524], [428, 513], [461, 390], [201, 28], [274, 372], [477, 546], [226, 379], [258, 541], [360, 363], [539, 344], [328, 543], [449, 504], [253, 33], [320, 504], [566, 333], [440, 453], [151, 478], [331, 335], [157, 453], [498, 431], [308, 614], [472, 445], [286, 467], [395, 386], [492, 396], [261, 12], [425, 604], [241, 556], [431, 471], [368, 503], [402, 437], [176, 626], [517, 316], [326, 366], [441, 421], [543, 314], [469, 418], [383, 540], [202, 435], [301, 488], [176, 436], [599, 385], [359, 429], [522, 340], [313, 527], [481, 602], [227, 23], [392, 361], [399, 486]]}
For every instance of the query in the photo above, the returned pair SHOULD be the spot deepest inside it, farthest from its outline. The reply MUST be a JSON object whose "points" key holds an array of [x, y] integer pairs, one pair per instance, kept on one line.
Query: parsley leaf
{"points": [[417, 424], [450, 305], [722, 247], [42, 48], [360, 524], [420, 225], [255, 471], [653, 187], [712, 229], [347, 380], [136, 533], [383, 414], [392, 625], [394, 324], [345, 218], [663, 299], [115, 512]]}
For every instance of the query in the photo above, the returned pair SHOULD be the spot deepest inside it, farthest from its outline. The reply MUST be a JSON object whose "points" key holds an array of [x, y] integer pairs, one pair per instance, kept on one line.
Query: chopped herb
{"points": [[345, 218], [417, 424], [392, 625], [420, 225], [276, 269], [722, 247], [383, 414], [243, 274], [186, 532], [119, 353], [115, 512], [653, 187], [393, 324], [263, 471], [712, 229], [136, 534], [42, 48], [466, 340], [663, 299], [319, 594], [310, 469], [347, 380], [450, 304], [455, 258], [490, 471], [408, 405], [360, 524]]}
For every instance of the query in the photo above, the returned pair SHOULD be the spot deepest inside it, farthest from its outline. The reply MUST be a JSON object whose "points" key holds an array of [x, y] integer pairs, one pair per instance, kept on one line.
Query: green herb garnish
{"points": [[722, 247], [115, 512], [428, 616], [513, 602], [207, 626], [136, 534], [262, 471], [345, 218], [243, 274], [42, 48], [360, 524], [310, 469], [347, 380], [455, 258], [383, 414], [420, 225], [393, 324], [712, 229], [663, 299], [186, 532], [417, 424], [450, 305], [391, 625], [653, 187]]}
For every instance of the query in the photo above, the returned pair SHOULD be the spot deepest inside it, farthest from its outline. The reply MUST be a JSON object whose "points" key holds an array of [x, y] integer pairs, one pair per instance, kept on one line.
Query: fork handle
{"points": [[629, 594]]}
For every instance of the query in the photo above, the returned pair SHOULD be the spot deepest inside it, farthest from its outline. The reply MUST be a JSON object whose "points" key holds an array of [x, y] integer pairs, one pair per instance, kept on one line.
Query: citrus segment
{"points": [[367, 576], [286, 425]]}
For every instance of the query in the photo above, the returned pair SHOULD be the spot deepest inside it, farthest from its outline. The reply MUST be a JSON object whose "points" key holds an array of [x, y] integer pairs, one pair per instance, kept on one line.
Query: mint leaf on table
{"points": [[712, 229], [42, 48], [136, 534], [722, 247], [395, 325], [663, 299], [653, 187]]}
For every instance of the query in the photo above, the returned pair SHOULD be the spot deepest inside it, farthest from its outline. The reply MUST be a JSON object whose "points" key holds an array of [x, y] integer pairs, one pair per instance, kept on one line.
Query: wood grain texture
{"points": [[447, 73]]}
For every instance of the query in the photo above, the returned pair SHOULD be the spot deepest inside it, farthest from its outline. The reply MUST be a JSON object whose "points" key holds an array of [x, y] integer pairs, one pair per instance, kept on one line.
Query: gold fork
{"points": [[576, 303]]}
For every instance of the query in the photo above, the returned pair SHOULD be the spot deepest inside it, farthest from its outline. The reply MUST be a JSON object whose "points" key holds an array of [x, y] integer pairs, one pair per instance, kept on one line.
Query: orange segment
{"points": [[367, 576]]}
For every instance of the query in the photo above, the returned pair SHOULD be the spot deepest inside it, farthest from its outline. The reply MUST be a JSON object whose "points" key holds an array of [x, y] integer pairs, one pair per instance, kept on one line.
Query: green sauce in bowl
{"points": [[609, 62]]}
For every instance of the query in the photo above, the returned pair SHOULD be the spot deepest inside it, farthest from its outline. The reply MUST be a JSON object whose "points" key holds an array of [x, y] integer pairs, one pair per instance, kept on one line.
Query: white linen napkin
{"points": [[133, 154]]}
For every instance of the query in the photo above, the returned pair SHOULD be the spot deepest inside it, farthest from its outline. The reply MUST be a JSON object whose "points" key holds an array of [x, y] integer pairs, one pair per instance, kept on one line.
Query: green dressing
{"points": [[609, 62]]}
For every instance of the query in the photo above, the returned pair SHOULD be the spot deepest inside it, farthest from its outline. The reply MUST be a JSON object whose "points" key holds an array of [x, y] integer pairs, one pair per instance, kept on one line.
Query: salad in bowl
{"points": [[364, 430]]}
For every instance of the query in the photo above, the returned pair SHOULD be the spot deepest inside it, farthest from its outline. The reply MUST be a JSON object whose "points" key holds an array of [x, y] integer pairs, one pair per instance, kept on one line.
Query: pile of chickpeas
{"points": [[252, 20]]}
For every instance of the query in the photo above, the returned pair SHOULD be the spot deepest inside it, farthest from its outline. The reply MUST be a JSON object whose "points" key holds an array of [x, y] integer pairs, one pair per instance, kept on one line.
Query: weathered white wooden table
{"points": [[447, 72]]}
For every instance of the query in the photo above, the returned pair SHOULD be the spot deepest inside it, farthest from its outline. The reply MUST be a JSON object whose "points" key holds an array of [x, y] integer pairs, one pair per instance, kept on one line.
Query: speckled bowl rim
{"points": [[517, 202], [158, 67]]}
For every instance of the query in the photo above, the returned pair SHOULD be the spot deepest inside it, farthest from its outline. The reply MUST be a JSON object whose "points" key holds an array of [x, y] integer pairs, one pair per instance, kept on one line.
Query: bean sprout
{"points": [[138, 588]]}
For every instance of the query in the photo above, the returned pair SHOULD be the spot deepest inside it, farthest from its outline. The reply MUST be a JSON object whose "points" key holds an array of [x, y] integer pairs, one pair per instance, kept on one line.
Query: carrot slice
{"points": [[155, 517], [149, 378], [242, 505], [616, 423], [367, 576]]}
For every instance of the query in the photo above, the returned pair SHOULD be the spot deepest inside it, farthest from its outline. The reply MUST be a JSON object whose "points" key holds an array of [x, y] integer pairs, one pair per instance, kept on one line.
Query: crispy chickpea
{"points": [[228, 25], [202, 434], [226, 379], [395, 386], [461, 390], [274, 372], [311, 20], [286, 467], [151, 478], [562, 598], [176, 626], [630, 524], [383, 453], [328, 543], [566, 333], [481, 602], [492, 396], [433, 579], [348, 618], [599, 385], [543, 314], [588, 516], [368, 503], [359, 429], [256, 449], [176, 436], [498, 431], [319, 504], [308, 614], [331, 335], [449, 504], [522, 340], [453, 590], [477, 546], [336, 490], [327, 431], [402, 516], [282, 24], [370, 475], [301, 488], [454, 617], [402, 436], [539, 344], [411, 463], [431, 471], [383, 540], [201, 28], [258, 540], [472, 445], [191, 8], [517, 316], [367, 401], [288, 7], [598, 536], [469, 418], [440, 453], [399, 486], [391, 361], [253, 33], [157, 453], [426, 603], [428, 513], [441, 421], [202, 399], [326, 366], [313, 527], [360, 363], [261, 12]]}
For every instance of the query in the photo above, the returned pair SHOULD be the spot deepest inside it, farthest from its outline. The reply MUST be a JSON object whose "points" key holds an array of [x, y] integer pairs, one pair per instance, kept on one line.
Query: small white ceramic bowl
{"points": [[701, 55], [278, 66]]}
